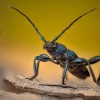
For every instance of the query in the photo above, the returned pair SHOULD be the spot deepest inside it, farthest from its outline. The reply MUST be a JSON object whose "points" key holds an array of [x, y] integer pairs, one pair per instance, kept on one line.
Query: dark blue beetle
{"points": [[64, 57]]}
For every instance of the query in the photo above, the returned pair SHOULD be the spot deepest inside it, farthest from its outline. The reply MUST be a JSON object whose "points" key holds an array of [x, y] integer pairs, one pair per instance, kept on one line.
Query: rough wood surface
{"points": [[29, 96], [71, 90]]}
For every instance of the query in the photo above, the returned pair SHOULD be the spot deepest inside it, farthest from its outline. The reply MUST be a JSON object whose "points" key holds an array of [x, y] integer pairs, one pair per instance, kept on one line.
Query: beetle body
{"points": [[66, 58], [62, 55]]}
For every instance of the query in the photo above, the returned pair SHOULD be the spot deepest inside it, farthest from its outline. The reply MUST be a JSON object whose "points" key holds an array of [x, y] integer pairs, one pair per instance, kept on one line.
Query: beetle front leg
{"points": [[43, 58], [35, 67]]}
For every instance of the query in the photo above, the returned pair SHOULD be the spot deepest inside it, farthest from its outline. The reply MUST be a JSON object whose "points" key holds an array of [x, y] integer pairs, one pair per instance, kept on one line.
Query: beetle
{"points": [[62, 56]]}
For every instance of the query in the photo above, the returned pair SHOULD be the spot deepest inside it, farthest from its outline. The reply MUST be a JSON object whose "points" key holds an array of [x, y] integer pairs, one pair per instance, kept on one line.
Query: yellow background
{"points": [[19, 43]]}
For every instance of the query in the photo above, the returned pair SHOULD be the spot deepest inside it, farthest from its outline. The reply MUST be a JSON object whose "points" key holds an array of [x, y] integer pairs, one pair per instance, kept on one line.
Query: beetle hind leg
{"points": [[91, 61], [94, 59]]}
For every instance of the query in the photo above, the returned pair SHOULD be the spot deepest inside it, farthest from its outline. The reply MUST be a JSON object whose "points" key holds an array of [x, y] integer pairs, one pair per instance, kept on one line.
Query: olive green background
{"points": [[20, 43]]}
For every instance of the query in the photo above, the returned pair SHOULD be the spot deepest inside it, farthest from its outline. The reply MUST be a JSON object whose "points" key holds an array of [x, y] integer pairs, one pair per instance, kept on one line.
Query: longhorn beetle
{"points": [[66, 58]]}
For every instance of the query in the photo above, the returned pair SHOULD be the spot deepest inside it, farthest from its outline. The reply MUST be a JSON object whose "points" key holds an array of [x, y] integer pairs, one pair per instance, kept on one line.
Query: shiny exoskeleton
{"points": [[64, 57]]}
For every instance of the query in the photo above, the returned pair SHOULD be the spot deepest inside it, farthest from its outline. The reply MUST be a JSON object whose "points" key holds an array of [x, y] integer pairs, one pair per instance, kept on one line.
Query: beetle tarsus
{"points": [[31, 78]]}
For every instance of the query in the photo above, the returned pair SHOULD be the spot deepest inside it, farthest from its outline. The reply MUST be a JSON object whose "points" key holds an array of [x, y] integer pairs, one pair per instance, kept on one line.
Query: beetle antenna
{"points": [[72, 24], [42, 38]]}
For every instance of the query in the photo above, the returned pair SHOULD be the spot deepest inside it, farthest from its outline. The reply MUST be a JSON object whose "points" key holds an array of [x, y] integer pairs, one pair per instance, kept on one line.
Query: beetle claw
{"points": [[29, 78], [63, 82], [32, 77]]}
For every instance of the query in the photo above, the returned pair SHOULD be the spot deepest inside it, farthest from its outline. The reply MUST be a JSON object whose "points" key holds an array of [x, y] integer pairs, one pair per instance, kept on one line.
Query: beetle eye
{"points": [[55, 45]]}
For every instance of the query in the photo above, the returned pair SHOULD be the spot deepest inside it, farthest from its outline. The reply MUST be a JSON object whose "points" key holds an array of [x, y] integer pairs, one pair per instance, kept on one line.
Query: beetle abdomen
{"points": [[82, 73]]}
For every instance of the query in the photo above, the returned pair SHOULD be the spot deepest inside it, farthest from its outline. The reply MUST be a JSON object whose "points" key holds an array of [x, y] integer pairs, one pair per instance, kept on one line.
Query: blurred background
{"points": [[19, 43]]}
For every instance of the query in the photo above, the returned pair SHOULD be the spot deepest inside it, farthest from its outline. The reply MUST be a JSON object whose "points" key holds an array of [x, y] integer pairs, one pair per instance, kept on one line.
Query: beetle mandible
{"points": [[66, 58]]}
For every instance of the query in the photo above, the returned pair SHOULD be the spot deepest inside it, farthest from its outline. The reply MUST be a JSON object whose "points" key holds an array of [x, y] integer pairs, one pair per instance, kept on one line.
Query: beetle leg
{"points": [[91, 70], [82, 60], [64, 73], [94, 59], [93, 76], [79, 60], [43, 58], [35, 67]]}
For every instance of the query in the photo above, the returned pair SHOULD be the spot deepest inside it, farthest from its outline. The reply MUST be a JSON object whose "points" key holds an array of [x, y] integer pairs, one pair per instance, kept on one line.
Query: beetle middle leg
{"points": [[43, 58], [64, 73]]}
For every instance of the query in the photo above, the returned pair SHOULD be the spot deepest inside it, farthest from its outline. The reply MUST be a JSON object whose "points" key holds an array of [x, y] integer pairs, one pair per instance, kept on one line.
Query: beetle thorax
{"points": [[50, 46]]}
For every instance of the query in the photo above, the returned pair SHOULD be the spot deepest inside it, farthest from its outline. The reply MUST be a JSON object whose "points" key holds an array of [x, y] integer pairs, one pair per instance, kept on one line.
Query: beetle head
{"points": [[50, 46]]}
